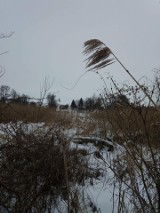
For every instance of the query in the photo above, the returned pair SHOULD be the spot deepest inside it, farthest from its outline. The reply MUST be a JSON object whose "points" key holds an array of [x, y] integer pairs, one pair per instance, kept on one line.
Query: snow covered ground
{"points": [[101, 191]]}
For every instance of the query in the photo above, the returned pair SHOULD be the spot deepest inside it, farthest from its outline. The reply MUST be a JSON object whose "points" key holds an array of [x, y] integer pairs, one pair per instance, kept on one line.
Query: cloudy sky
{"points": [[49, 37]]}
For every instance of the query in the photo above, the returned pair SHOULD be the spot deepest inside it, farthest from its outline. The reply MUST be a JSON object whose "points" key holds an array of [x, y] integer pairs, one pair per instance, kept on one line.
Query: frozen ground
{"points": [[101, 191]]}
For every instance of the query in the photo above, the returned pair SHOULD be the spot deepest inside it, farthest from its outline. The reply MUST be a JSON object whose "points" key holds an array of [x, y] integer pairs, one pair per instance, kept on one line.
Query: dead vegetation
{"points": [[134, 125], [33, 171], [41, 171], [39, 168]]}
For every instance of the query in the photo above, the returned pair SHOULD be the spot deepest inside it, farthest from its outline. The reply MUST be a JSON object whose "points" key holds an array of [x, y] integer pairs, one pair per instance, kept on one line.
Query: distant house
{"points": [[62, 107]]}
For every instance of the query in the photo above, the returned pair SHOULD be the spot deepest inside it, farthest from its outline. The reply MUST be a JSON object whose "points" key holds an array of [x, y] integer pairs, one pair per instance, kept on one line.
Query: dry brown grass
{"points": [[139, 123], [30, 113]]}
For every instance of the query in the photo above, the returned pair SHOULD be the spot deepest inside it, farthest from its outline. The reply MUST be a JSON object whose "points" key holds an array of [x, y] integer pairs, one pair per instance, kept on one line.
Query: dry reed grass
{"points": [[31, 113], [98, 53], [132, 122]]}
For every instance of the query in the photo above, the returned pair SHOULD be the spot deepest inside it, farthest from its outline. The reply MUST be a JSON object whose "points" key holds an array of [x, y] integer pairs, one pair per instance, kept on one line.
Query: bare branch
{"points": [[2, 35], [2, 71]]}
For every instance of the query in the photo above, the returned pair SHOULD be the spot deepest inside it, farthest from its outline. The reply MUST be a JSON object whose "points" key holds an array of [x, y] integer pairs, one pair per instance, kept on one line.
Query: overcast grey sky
{"points": [[49, 37]]}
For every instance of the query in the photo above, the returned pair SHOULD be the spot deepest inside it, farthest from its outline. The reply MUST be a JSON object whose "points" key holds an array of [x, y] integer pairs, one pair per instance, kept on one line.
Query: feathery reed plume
{"points": [[99, 57], [98, 53]]}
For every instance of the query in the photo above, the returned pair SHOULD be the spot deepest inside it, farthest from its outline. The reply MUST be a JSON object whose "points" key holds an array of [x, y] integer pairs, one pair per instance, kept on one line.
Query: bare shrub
{"points": [[33, 164], [135, 165]]}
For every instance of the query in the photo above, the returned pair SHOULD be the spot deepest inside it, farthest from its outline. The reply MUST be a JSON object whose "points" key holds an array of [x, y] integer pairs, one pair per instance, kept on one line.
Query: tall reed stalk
{"points": [[100, 57]]}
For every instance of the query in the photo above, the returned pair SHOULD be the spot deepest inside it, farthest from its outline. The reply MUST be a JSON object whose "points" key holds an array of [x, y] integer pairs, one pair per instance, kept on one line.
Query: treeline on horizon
{"points": [[8, 95]]}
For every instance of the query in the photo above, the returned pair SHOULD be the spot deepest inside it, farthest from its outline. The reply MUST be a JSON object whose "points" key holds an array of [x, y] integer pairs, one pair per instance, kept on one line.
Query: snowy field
{"points": [[102, 193]]}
